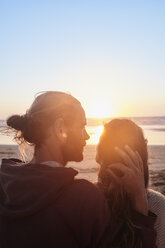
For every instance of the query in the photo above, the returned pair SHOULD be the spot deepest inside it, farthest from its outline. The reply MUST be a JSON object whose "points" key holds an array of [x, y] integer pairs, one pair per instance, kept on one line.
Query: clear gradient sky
{"points": [[110, 54]]}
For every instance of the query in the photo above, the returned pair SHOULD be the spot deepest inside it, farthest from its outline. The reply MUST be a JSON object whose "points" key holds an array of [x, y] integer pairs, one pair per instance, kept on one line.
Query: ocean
{"points": [[153, 127], [154, 131]]}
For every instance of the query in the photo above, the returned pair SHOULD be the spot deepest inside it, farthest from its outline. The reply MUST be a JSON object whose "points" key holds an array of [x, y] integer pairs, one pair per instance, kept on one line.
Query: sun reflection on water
{"points": [[94, 132]]}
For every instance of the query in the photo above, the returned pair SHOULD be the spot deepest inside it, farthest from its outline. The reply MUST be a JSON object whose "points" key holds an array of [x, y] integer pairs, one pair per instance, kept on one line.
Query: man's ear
{"points": [[59, 130]]}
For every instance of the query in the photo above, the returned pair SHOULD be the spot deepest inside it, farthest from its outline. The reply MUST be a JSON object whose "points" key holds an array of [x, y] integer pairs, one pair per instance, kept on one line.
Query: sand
{"points": [[88, 168]]}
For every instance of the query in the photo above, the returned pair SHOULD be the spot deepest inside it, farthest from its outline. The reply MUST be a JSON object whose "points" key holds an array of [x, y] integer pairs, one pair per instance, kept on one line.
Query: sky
{"points": [[110, 54]]}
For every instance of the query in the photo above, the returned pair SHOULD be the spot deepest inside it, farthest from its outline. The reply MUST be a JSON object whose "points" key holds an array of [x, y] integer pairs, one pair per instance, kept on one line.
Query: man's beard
{"points": [[70, 153]]}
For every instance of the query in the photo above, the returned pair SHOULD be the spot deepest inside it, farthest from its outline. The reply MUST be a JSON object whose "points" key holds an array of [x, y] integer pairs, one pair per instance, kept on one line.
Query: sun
{"points": [[98, 132], [101, 109], [94, 133]]}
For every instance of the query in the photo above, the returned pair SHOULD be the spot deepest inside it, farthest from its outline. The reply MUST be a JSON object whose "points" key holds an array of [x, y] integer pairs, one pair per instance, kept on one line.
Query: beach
{"points": [[88, 168]]}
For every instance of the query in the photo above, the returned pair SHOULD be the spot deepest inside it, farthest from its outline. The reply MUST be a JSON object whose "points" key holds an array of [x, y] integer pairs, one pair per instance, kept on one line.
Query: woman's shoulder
{"points": [[155, 198], [156, 203]]}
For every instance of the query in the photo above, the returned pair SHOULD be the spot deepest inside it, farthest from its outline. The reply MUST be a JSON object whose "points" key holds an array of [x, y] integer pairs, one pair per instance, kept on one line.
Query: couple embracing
{"points": [[43, 205]]}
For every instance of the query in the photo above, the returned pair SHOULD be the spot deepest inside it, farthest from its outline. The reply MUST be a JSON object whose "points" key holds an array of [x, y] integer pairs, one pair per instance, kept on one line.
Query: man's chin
{"points": [[77, 158]]}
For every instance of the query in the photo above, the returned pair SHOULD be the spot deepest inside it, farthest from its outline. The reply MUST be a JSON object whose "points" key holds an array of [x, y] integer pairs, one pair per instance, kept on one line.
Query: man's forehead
{"points": [[81, 118]]}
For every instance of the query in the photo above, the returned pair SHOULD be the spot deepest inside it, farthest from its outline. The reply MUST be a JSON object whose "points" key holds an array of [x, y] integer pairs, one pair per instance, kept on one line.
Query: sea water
{"points": [[154, 131], [153, 127]]}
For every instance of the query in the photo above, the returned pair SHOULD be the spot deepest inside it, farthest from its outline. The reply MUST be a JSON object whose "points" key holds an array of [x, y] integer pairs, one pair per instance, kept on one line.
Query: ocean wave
{"points": [[156, 120], [138, 120], [157, 129]]}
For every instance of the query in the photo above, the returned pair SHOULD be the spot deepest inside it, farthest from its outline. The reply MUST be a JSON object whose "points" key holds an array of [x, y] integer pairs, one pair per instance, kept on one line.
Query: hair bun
{"points": [[17, 122]]}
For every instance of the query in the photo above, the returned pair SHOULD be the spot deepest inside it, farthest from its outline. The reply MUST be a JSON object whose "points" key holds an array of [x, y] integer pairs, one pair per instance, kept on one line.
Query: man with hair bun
{"points": [[41, 202]]}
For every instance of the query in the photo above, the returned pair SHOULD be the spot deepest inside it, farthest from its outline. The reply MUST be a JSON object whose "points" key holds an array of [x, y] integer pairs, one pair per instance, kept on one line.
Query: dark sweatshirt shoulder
{"points": [[48, 207]]}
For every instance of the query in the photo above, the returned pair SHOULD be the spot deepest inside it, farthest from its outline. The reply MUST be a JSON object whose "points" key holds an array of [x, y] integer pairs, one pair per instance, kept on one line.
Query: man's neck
{"points": [[45, 153]]}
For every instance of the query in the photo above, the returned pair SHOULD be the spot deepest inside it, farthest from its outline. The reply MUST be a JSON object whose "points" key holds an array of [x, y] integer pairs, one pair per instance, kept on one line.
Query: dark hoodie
{"points": [[41, 206]]}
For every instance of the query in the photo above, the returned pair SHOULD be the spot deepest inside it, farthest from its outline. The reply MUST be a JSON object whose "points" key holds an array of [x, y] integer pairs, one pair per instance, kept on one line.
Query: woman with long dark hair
{"points": [[118, 134]]}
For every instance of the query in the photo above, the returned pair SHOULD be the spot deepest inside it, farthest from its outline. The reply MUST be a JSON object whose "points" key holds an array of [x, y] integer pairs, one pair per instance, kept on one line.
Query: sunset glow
{"points": [[101, 109], [94, 133], [108, 54]]}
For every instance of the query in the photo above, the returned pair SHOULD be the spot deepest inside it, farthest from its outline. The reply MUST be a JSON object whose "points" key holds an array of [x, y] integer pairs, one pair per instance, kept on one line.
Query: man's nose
{"points": [[86, 135]]}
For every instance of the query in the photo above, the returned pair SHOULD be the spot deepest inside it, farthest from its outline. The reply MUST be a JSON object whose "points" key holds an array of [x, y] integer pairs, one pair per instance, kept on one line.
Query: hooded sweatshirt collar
{"points": [[26, 188]]}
